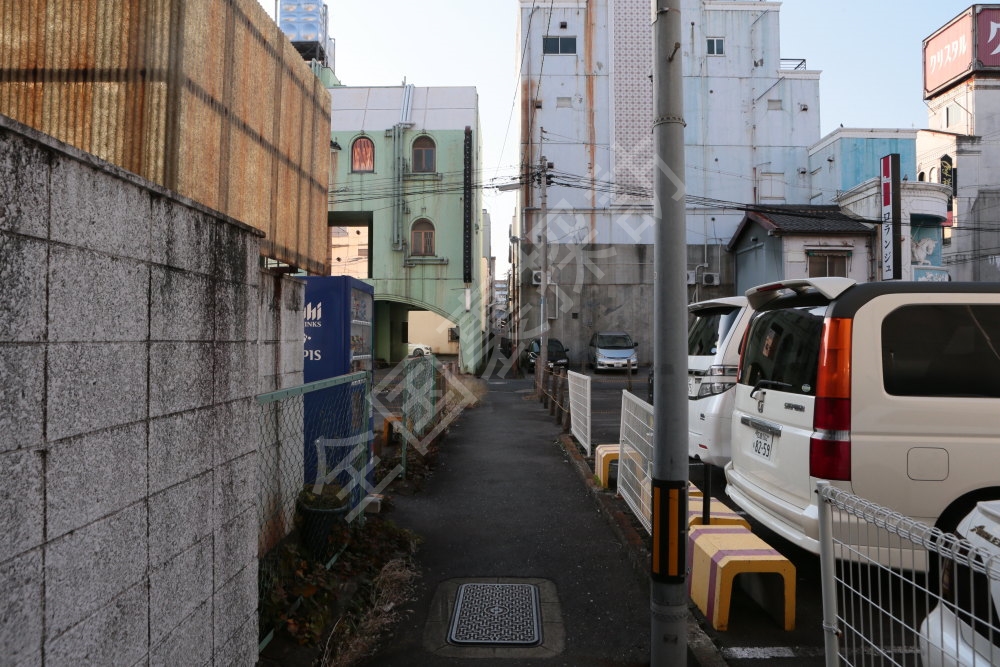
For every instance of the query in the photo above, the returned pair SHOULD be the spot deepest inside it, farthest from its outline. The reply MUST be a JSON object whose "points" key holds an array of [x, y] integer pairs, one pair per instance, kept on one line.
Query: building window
{"points": [[771, 188], [363, 155], [826, 263], [422, 238], [423, 155], [716, 46], [559, 45]]}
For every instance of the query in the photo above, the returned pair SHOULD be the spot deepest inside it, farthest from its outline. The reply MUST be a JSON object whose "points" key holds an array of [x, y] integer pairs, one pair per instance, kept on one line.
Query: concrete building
{"points": [[959, 150], [586, 106], [404, 183], [847, 157], [844, 170]]}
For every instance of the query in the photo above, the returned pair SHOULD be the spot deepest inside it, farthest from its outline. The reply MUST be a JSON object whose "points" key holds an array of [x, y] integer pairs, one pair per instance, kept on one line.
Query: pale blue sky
{"points": [[868, 50]]}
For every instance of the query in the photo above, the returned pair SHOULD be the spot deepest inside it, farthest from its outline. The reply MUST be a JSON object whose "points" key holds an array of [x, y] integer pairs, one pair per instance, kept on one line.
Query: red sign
{"points": [[948, 53], [988, 38], [890, 232]]}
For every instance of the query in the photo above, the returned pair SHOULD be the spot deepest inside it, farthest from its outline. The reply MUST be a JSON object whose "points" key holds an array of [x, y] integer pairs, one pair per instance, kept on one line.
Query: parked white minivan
{"points": [[715, 330], [890, 390]]}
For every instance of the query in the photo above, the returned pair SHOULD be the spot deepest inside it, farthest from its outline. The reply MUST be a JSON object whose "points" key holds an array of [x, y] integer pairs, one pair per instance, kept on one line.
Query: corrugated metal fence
{"points": [[208, 99]]}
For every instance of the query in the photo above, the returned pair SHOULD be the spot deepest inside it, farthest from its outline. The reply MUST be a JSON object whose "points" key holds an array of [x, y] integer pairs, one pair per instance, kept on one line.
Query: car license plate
{"points": [[763, 444]]}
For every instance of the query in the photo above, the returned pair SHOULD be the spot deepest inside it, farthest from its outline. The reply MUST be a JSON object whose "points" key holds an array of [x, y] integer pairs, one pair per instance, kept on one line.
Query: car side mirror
{"points": [[635, 344]]}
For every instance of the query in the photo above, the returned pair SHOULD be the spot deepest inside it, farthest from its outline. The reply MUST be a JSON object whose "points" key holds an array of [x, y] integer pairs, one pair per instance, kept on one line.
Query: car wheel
{"points": [[948, 523]]}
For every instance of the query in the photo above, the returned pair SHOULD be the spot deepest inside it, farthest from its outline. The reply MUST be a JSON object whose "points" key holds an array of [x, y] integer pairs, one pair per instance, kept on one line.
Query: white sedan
{"points": [[418, 349]]}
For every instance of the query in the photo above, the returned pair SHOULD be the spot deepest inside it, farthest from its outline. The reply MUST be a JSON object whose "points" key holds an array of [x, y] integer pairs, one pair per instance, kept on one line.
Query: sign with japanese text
{"points": [[968, 43], [988, 38], [890, 235], [948, 54]]}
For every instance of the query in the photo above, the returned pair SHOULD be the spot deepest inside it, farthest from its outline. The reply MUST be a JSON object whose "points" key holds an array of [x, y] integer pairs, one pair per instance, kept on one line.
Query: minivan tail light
{"points": [[830, 444], [833, 377], [830, 459]]}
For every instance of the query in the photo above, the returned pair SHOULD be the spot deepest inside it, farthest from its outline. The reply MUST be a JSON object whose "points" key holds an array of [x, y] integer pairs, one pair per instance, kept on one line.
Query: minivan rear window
{"points": [[708, 328], [942, 350], [783, 348]]}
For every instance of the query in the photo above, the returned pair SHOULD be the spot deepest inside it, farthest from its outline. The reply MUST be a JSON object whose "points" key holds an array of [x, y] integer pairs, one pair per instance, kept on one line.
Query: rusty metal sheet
{"points": [[207, 98]]}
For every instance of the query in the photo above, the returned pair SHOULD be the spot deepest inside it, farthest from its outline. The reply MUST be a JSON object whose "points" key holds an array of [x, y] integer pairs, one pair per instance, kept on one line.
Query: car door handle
{"points": [[760, 425]]}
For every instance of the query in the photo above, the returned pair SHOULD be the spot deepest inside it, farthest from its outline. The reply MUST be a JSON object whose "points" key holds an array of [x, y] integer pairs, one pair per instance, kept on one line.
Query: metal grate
{"points": [[507, 614], [579, 408], [636, 458]]}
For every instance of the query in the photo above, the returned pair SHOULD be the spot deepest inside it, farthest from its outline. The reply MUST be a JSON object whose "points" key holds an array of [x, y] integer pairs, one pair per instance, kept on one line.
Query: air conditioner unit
{"points": [[536, 277], [692, 277], [710, 278]]}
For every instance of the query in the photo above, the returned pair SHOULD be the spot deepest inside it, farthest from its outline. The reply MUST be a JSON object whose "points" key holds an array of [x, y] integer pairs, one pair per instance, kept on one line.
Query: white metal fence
{"points": [[579, 408], [636, 457], [877, 613]]}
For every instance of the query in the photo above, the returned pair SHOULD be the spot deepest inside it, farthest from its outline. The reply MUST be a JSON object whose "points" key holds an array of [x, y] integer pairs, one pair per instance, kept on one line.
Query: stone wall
{"points": [[135, 329]]}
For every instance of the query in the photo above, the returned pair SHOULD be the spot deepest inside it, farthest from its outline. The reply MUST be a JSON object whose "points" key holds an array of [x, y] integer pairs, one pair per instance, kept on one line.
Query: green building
{"points": [[405, 209]]}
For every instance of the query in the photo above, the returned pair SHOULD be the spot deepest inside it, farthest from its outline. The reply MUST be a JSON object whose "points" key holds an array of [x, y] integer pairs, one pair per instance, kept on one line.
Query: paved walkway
{"points": [[506, 504]]}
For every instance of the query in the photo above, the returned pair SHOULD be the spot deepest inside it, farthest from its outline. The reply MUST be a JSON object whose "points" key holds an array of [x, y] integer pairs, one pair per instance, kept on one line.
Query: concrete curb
{"points": [[700, 644]]}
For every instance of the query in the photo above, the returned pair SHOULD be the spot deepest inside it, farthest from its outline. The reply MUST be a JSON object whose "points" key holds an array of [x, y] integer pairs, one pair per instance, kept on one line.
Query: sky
{"points": [[869, 52]]}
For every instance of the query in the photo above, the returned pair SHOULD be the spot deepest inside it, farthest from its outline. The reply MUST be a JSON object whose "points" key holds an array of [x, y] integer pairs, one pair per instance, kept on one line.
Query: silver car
{"points": [[612, 350]]}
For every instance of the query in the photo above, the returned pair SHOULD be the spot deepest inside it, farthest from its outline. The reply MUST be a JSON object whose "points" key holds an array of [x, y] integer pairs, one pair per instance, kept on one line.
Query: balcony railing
{"points": [[793, 63]]}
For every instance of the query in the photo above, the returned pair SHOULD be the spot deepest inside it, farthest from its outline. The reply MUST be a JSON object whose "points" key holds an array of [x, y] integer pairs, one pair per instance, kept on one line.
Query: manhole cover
{"points": [[506, 614]]}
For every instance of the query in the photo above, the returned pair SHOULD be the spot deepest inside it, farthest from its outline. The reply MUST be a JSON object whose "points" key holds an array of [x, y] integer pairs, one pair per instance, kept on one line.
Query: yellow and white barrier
{"points": [[716, 554]]}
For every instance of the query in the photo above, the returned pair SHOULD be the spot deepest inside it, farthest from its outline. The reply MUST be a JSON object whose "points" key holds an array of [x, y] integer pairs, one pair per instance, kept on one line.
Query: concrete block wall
{"points": [[129, 361]]}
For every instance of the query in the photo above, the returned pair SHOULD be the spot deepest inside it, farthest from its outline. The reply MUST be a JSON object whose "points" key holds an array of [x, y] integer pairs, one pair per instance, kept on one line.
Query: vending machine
{"points": [[338, 328]]}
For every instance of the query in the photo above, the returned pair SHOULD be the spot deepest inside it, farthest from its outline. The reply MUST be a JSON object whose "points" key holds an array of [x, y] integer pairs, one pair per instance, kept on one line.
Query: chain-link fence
{"points": [[314, 470], [898, 592], [416, 400]]}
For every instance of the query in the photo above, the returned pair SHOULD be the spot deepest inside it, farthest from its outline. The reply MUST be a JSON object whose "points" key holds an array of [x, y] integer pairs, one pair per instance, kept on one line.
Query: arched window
{"points": [[423, 155], [422, 238], [363, 155]]}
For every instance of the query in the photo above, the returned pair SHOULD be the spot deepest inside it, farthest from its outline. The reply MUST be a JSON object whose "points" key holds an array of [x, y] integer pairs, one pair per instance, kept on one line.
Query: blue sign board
{"points": [[337, 325]]}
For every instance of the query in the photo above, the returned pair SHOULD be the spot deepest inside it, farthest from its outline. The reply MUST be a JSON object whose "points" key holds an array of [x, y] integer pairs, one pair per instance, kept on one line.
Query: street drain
{"points": [[496, 614]]}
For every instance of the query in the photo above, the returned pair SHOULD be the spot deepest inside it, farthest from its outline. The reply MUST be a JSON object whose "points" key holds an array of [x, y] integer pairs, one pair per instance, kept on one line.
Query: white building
{"points": [[586, 106], [960, 149]]}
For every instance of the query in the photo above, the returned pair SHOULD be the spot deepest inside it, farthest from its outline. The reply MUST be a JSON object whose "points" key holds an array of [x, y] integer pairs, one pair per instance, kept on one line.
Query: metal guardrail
{"points": [[579, 409], [636, 457], [899, 592], [793, 63]]}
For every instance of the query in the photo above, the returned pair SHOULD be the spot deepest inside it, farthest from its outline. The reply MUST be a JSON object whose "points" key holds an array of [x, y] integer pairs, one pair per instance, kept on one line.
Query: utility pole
{"points": [[668, 589], [543, 353]]}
